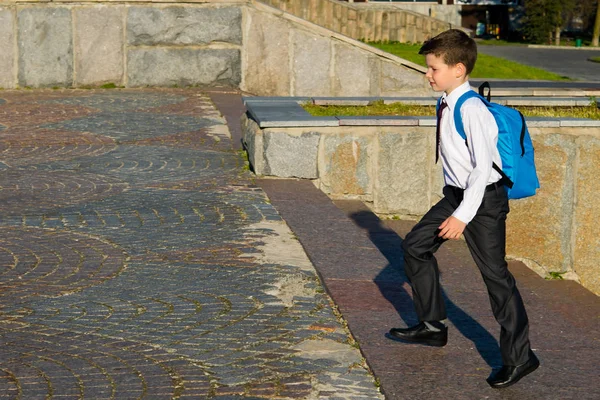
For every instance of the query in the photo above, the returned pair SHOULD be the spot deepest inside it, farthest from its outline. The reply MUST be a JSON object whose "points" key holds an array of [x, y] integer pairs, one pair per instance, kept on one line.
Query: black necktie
{"points": [[438, 129]]}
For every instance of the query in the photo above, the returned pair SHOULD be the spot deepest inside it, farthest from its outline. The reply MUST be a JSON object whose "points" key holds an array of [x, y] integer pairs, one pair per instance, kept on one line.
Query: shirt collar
{"points": [[455, 95]]}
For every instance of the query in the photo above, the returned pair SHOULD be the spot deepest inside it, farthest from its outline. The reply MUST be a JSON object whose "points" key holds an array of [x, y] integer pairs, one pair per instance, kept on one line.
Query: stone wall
{"points": [[287, 56], [450, 13], [243, 44], [127, 44], [390, 163], [367, 21]]}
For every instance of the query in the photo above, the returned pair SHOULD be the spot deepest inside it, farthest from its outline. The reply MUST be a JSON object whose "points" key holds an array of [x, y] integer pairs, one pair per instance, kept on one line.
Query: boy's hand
{"points": [[451, 228]]}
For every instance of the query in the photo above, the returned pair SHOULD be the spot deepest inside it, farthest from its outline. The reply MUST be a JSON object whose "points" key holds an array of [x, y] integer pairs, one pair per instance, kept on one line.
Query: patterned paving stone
{"points": [[125, 101], [214, 137], [140, 165], [58, 365], [169, 221], [190, 106], [28, 145], [132, 126], [32, 113], [28, 191], [38, 262], [139, 260]]}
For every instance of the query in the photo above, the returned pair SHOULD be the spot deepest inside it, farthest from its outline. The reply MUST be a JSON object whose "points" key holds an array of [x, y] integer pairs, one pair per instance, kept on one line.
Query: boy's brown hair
{"points": [[455, 46]]}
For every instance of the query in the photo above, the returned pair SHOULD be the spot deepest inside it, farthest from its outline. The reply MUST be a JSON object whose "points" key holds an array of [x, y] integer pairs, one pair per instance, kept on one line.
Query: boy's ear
{"points": [[460, 69]]}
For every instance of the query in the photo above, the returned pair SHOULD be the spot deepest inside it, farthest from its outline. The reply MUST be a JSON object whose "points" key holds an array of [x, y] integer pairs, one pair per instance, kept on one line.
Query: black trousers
{"points": [[486, 238]]}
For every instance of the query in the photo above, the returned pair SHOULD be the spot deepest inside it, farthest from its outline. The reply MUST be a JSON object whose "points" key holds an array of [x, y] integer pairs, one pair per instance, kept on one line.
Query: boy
{"points": [[475, 204]]}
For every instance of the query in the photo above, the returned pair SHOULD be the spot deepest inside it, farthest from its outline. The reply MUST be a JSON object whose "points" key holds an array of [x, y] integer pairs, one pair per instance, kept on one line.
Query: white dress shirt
{"points": [[469, 168]]}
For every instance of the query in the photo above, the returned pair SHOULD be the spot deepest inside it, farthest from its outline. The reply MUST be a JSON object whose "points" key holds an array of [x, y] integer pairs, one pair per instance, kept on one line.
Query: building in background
{"points": [[498, 19], [484, 18]]}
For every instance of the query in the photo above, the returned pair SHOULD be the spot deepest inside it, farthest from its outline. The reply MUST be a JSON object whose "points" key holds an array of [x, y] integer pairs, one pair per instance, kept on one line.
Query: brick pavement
{"points": [[359, 259], [138, 259]]}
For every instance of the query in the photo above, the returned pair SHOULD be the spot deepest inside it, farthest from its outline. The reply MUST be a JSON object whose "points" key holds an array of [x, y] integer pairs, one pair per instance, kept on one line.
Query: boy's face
{"points": [[444, 77]]}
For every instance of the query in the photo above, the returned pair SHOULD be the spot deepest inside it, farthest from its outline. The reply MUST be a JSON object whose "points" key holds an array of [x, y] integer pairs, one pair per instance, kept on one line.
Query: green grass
{"points": [[594, 59], [488, 67], [377, 108], [590, 112], [555, 276], [399, 109]]}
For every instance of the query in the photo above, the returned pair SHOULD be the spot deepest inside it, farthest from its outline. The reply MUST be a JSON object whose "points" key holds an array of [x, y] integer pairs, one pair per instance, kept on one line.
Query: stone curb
{"points": [[547, 46], [287, 111]]}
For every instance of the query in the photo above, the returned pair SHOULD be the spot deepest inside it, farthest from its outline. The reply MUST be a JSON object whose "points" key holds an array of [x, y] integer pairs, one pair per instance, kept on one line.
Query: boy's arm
{"points": [[481, 129]]}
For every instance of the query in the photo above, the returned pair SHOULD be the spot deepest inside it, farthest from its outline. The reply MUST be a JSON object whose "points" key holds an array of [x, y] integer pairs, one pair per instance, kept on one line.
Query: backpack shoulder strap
{"points": [[461, 128], [482, 87], [458, 117]]}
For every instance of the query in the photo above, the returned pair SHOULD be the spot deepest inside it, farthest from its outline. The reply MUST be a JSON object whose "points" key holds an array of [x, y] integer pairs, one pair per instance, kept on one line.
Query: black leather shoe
{"points": [[509, 374], [421, 334]]}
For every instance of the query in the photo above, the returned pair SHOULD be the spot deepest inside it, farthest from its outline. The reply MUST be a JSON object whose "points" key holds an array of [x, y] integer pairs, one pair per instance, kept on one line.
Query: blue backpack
{"points": [[514, 145]]}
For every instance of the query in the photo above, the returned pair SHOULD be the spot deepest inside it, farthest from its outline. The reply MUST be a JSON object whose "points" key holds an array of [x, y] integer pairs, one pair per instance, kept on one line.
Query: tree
{"points": [[536, 25], [545, 19], [596, 34]]}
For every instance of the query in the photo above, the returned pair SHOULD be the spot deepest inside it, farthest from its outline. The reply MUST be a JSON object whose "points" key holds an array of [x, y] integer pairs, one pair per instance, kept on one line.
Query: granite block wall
{"points": [[64, 44], [288, 56], [235, 43], [374, 21]]}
